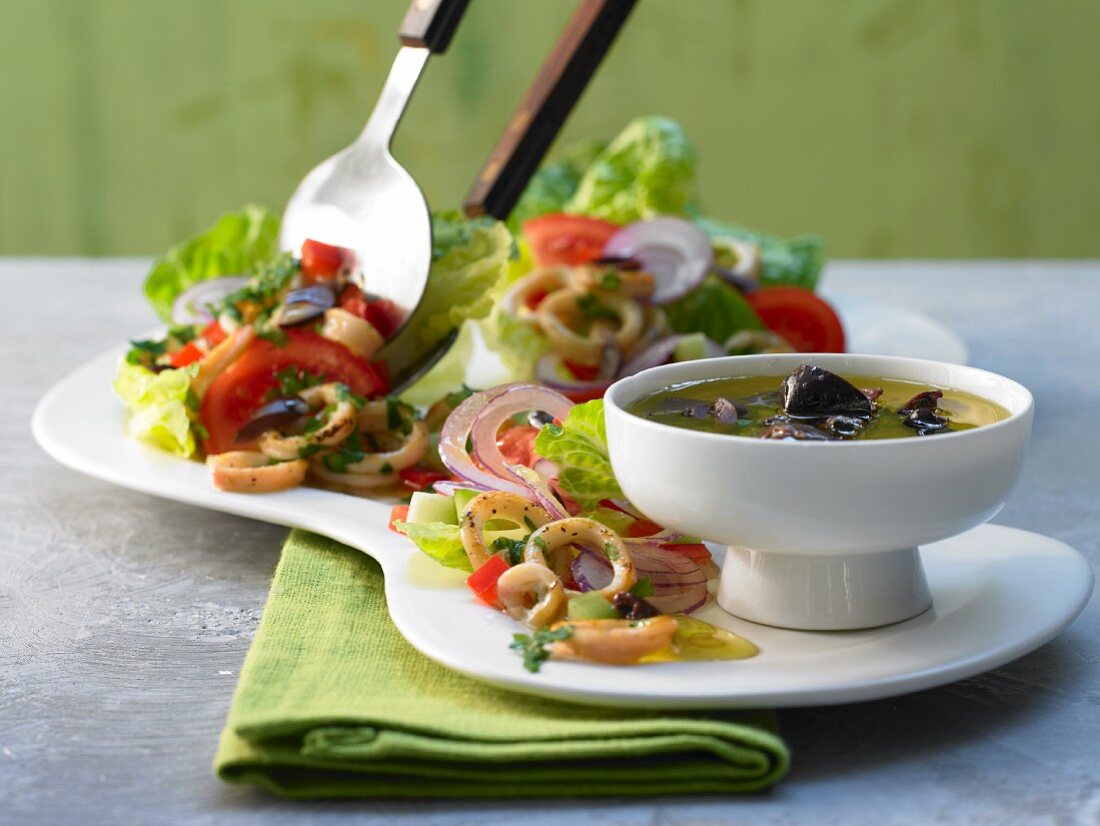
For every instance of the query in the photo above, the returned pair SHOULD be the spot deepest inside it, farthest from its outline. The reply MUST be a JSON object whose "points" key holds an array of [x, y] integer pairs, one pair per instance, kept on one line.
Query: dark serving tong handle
{"points": [[536, 122], [430, 24]]}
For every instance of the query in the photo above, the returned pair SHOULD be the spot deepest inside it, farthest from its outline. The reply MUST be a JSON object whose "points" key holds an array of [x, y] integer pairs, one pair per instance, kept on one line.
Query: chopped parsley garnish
{"points": [[453, 400], [264, 290], [274, 335], [530, 523], [512, 548], [590, 305], [387, 468], [183, 333], [344, 394], [309, 450], [317, 421], [533, 647], [399, 416], [145, 352], [292, 381], [350, 452], [643, 588], [610, 552], [540, 543], [610, 281]]}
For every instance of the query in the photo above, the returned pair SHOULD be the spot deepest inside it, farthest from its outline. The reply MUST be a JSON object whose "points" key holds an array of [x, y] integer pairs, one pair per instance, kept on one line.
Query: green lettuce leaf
{"points": [[157, 404], [579, 447], [468, 259], [233, 246], [715, 309], [648, 170], [797, 262], [554, 183], [439, 541]]}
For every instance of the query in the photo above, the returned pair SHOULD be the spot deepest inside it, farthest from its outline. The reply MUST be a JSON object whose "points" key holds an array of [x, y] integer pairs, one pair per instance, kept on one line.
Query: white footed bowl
{"points": [[822, 535]]}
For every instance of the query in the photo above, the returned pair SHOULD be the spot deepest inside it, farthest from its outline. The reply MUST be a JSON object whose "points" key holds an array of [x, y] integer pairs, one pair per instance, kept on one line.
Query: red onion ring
{"points": [[675, 251], [456, 432], [547, 372], [190, 305], [661, 351], [591, 571]]}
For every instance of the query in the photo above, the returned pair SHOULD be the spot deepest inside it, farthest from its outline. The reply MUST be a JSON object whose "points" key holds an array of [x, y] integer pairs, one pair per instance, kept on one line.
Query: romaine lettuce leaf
{"points": [[579, 447], [796, 262], [648, 170], [715, 309], [157, 406], [439, 541], [468, 259], [554, 183], [233, 246]]}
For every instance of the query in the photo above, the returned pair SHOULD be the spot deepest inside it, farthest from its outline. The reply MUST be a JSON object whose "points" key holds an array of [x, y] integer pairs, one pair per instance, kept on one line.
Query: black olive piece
{"points": [[539, 418], [928, 400], [844, 426], [633, 607], [305, 304], [813, 393], [272, 416], [618, 262], [797, 432], [725, 411], [926, 421]]}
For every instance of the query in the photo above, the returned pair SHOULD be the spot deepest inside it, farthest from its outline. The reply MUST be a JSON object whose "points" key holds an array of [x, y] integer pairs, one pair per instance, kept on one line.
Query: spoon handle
{"points": [[536, 122], [430, 24]]}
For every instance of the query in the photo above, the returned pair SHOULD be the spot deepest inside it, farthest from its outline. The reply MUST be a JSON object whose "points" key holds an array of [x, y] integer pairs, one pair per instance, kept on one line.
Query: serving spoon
{"points": [[361, 197]]}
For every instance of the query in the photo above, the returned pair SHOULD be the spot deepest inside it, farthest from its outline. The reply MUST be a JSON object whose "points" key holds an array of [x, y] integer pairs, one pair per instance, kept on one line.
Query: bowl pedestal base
{"points": [[815, 592]]}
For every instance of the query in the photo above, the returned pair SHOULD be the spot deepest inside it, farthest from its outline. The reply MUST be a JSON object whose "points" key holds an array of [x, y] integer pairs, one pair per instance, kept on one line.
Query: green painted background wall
{"points": [[896, 128]]}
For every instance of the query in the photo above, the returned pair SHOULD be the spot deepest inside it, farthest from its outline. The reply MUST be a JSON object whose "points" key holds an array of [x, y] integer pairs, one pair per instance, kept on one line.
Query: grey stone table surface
{"points": [[124, 619]]}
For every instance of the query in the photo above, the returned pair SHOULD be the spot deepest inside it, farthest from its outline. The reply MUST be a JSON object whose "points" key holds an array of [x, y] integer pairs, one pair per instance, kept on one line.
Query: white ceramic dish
{"points": [[823, 535], [999, 592]]}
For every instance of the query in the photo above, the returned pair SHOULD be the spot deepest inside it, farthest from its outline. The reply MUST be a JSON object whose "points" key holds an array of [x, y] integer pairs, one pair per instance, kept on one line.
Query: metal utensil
{"points": [[361, 198], [532, 128]]}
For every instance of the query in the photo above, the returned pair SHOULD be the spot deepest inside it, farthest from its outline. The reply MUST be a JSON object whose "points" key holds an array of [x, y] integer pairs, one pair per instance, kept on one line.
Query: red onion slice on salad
{"points": [[452, 444], [675, 251], [190, 306], [660, 352], [591, 571], [547, 371]]}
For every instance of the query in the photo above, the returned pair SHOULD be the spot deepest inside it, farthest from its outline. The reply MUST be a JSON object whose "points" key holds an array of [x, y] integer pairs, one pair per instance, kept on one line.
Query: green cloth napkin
{"points": [[332, 702]]}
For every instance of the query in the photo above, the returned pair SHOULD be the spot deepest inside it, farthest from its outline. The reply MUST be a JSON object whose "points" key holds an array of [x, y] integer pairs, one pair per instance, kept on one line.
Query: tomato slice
{"points": [[236, 393], [213, 334], [417, 479], [517, 445], [642, 527], [399, 514], [353, 300], [187, 354], [582, 372], [321, 262], [695, 551], [558, 239], [802, 318], [483, 581], [385, 316]]}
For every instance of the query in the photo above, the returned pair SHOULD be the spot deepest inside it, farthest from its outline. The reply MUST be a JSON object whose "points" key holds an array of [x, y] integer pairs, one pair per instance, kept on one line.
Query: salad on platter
{"points": [[270, 372]]}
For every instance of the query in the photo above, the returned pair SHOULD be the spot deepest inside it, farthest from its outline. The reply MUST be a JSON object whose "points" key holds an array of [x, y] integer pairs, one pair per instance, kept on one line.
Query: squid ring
{"points": [[635, 283], [577, 530], [337, 426], [561, 311], [355, 333], [354, 482], [214, 363], [615, 642], [532, 594], [411, 451], [543, 281], [486, 507], [247, 471]]}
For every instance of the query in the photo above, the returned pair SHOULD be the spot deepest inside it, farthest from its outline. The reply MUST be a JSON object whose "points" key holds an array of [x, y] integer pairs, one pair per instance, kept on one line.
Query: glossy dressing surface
{"points": [[759, 395]]}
